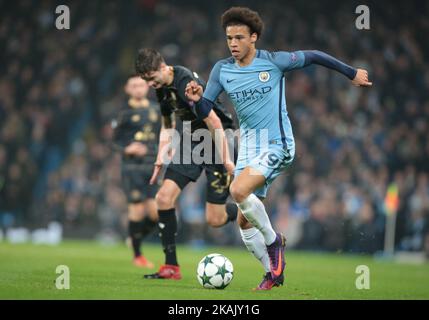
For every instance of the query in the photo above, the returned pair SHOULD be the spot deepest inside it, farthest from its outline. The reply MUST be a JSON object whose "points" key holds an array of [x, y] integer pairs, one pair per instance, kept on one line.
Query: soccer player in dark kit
{"points": [[136, 135], [170, 83]]}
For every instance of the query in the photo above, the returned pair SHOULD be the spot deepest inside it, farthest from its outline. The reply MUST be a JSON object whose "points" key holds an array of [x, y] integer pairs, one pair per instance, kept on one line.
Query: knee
{"points": [[136, 212], [238, 193], [152, 210], [164, 200]]}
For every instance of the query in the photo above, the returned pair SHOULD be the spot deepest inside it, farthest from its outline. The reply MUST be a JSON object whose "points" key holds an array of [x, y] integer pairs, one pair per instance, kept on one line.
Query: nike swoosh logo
{"points": [[229, 80], [278, 271]]}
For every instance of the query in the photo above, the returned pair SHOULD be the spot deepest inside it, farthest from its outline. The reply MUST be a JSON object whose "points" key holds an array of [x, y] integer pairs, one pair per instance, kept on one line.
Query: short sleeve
{"points": [[214, 88], [287, 61]]}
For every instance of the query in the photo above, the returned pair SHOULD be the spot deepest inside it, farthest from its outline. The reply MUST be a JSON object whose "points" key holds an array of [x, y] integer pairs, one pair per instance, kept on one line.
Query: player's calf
{"points": [[217, 215], [217, 221]]}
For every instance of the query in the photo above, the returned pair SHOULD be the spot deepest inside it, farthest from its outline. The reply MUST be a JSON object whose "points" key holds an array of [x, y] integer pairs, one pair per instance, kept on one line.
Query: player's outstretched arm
{"points": [[359, 77]]}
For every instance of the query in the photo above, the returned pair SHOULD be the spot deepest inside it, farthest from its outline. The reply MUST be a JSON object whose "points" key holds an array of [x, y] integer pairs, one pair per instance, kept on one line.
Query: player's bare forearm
{"points": [[163, 146], [218, 134], [165, 151], [164, 142]]}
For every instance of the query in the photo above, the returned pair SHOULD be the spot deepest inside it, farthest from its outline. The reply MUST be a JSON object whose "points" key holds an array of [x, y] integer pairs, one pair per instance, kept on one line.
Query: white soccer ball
{"points": [[215, 271]]}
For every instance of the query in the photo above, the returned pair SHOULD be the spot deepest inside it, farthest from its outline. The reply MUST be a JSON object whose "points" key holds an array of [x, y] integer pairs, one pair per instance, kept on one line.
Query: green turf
{"points": [[105, 272]]}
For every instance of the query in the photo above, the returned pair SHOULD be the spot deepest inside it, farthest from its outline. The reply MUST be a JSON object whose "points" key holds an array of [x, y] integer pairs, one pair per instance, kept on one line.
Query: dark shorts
{"points": [[136, 185], [218, 180], [184, 170]]}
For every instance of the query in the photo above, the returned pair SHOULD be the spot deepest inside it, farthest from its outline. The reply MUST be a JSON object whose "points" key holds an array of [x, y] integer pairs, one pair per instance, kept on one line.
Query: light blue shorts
{"points": [[271, 162]]}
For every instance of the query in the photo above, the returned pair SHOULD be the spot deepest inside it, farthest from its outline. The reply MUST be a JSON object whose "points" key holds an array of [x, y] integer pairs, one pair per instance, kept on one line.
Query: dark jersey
{"points": [[138, 123], [172, 99]]}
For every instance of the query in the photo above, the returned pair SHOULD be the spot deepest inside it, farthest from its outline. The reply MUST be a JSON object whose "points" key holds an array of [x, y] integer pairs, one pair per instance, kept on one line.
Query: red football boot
{"points": [[142, 262], [166, 271]]}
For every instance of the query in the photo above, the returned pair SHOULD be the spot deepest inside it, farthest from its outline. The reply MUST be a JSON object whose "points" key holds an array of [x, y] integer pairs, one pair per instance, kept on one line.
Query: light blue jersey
{"points": [[257, 93]]}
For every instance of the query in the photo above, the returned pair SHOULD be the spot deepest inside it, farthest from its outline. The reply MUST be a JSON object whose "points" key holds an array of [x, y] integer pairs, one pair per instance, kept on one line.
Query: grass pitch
{"points": [[105, 272]]}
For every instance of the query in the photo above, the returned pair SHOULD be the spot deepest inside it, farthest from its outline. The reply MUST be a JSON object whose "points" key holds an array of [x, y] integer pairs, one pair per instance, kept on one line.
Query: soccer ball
{"points": [[215, 271]]}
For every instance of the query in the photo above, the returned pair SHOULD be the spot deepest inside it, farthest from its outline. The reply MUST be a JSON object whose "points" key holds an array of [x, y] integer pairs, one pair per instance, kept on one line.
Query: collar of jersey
{"points": [[250, 64]]}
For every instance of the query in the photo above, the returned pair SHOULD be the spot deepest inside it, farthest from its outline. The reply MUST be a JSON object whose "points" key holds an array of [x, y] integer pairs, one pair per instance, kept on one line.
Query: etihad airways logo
{"points": [[249, 94]]}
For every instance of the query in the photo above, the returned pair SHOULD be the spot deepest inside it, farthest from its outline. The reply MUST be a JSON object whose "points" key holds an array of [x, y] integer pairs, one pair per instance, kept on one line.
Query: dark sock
{"points": [[167, 226], [134, 230], [231, 210], [147, 226]]}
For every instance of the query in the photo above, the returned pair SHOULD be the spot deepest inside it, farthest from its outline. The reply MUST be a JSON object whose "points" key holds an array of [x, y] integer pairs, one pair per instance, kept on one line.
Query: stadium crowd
{"points": [[59, 89]]}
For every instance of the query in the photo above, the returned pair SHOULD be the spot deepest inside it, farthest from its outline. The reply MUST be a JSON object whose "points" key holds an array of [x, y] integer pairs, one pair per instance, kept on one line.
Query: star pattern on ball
{"points": [[222, 271], [205, 279], [207, 260]]}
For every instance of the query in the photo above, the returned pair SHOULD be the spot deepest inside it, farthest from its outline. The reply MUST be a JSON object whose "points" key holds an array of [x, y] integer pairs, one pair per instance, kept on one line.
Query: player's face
{"points": [[136, 88], [157, 79], [240, 41]]}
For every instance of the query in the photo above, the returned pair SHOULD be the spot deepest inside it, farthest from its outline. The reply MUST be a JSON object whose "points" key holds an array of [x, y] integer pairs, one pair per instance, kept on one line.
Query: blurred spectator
{"points": [[364, 238], [314, 233]]}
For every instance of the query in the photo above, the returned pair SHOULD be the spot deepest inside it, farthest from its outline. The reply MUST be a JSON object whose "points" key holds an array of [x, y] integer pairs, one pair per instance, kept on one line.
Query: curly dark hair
{"points": [[243, 16], [148, 60]]}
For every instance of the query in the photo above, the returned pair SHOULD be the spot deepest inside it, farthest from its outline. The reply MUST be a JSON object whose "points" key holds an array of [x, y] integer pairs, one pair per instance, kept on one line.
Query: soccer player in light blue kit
{"points": [[254, 81]]}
